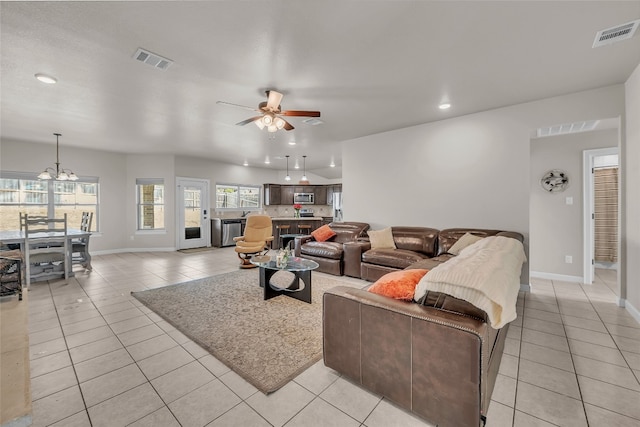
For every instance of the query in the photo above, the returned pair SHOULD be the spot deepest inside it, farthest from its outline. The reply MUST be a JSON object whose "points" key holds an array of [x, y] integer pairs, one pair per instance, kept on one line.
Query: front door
{"points": [[193, 213]]}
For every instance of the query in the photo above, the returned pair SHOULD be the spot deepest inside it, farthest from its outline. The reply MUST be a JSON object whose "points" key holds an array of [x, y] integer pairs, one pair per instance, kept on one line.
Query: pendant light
{"points": [[59, 174], [304, 180], [287, 178]]}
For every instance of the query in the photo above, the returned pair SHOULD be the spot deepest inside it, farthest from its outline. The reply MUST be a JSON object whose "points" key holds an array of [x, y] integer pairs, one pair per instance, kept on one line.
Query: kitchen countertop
{"points": [[290, 218]]}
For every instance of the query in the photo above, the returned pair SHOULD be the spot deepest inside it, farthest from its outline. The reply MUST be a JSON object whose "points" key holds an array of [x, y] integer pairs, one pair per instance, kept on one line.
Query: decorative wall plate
{"points": [[554, 181]]}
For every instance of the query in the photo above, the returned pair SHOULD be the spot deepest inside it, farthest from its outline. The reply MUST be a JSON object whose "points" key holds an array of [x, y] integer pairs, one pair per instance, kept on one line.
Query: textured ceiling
{"points": [[368, 66]]}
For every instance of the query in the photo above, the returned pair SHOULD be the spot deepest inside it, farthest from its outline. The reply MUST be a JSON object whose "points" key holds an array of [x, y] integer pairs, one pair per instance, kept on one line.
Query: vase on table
{"points": [[296, 213]]}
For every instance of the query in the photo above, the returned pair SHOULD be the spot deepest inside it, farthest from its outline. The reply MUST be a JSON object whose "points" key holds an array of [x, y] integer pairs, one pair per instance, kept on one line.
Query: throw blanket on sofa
{"points": [[486, 274]]}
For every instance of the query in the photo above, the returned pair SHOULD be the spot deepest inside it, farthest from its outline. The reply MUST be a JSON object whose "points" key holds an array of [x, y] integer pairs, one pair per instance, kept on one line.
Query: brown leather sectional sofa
{"points": [[418, 247], [330, 254], [439, 359]]}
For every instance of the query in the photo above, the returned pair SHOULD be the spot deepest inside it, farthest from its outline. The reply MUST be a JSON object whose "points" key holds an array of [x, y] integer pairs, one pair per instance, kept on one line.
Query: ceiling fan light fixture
{"points": [[259, 124], [279, 122], [272, 128], [267, 119]]}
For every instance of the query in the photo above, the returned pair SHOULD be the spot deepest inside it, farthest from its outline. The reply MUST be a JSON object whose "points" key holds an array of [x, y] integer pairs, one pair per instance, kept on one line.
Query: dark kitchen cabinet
{"points": [[303, 189], [320, 193], [286, 194], [272, 194]]}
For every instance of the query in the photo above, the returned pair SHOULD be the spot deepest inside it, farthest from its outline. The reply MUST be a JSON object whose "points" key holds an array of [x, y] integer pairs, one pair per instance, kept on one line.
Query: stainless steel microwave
{"points": [[303, 198]]}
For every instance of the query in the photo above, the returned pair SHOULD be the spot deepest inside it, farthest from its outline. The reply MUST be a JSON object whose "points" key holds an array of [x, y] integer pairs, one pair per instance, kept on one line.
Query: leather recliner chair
{"points": [[330, 254]]}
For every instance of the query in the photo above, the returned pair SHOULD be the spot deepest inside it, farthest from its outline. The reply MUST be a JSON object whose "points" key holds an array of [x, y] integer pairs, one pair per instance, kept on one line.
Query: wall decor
{"points": [[554, 181]]}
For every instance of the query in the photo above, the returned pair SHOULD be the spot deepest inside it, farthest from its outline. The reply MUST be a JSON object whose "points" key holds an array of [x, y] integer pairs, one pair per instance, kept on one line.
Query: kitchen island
{"points": [[293, 223]]}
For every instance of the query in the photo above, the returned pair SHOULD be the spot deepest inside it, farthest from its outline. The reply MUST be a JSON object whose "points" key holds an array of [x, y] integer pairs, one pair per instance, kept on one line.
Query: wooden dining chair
{"points": [[46, 250], [80, 247]]}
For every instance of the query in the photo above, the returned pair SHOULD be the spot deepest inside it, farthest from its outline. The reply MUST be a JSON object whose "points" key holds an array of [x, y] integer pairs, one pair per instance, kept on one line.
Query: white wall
{"points": [[470, 171], [630, 161], [556, 229]]}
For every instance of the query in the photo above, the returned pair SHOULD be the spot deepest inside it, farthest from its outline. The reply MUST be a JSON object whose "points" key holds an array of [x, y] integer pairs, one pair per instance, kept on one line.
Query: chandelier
{"points": [[58, 173]]}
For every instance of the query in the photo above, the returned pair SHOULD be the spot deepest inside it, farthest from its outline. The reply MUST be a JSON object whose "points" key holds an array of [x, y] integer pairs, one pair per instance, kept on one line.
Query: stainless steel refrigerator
{"points": [[337, 207]]}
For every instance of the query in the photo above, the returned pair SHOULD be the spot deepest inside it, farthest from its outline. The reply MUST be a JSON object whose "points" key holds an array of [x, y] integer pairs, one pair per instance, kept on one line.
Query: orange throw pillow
{"points": [[323, 233], [399, 284]]}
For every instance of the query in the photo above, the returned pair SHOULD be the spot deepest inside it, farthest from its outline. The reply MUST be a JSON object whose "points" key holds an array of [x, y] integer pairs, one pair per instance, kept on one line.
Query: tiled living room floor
{"points": [[100, 358]]}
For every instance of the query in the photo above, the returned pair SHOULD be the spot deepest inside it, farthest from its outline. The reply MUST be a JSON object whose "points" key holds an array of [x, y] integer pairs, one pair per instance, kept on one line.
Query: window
{"points": [[150, 194], [22, 192], [235, 197]]}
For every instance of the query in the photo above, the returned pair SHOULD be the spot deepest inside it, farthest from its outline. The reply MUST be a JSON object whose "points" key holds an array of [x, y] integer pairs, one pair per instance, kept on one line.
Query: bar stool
{"points": [[282, 230], [304, 228]]}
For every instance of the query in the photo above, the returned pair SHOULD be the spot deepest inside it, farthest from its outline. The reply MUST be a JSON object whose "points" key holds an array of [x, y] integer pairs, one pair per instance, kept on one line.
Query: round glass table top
{"points": [[293, 264]]}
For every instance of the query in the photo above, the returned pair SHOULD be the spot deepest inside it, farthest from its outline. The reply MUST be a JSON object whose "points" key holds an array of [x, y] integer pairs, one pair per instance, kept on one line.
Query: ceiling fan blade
{"points": [[273, 102], [252, 119], [236, 105], [300, 113], [287, 125]]}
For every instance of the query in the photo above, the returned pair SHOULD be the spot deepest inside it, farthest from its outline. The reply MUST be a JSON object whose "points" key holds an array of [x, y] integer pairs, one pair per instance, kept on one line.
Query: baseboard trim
{"points": [[125, 250], [553, 276], [632, 310]]}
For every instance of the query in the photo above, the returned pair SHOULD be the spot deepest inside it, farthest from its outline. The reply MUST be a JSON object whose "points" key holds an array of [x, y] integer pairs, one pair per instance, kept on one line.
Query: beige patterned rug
{"points": [[268, 343]]}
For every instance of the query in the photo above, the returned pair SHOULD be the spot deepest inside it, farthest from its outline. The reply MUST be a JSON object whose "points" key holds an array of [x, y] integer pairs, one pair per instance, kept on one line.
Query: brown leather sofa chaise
{"points": [[438, 360], [330, 253], [419, 247]]}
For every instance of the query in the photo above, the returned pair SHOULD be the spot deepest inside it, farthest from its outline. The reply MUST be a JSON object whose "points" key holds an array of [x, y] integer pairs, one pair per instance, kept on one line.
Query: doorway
{"points": [[601, 216], [193, 224]]}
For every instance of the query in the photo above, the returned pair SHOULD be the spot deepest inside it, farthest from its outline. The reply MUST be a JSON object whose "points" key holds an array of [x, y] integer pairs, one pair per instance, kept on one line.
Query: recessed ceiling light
{"points": [[46, 79], [332, 165], [245, 163], [444, 106], [292, 143], [267, 161]]}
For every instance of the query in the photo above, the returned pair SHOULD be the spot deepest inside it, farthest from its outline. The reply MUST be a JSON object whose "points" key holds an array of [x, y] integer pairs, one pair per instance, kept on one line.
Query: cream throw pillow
{"points": [[381, 239], [467, 240]]}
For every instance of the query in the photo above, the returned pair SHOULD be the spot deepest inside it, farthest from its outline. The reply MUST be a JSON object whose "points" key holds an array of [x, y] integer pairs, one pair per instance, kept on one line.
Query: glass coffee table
{"points": [[301, 269]]}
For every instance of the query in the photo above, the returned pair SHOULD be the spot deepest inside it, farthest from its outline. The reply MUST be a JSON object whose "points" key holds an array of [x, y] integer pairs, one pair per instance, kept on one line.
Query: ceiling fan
{"points": [[271, 116]]}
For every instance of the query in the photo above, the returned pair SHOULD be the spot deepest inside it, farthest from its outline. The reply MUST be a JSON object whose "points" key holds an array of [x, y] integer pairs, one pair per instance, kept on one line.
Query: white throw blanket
{"points": [[486, 274]]}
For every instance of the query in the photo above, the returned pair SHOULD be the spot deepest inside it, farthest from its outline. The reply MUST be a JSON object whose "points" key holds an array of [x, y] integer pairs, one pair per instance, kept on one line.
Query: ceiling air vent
{"points": [[152, 59], [616, 34], [313, 121], [567, 128]]}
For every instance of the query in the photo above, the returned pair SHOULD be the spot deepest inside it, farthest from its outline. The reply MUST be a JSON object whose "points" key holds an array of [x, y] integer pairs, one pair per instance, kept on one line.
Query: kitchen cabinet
{"points": [[286, 194], [303, 189], [272, 194], [320, 195]]}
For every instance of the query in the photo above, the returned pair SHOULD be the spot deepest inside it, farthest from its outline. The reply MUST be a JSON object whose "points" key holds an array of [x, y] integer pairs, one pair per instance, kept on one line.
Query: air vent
{"points": [[567, 128], [313, 121], [152, 59], [616, 34]]}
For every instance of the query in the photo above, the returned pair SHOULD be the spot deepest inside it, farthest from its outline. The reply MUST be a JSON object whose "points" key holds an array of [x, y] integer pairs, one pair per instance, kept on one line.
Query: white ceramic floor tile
{"points": [[549, 406], [280, 406], [320, 413], [351, 399], [611, 397], [317, 377], [162, 417], [126, 408], [49, 363], [57, 406], [386, 414], [181, 381], [499, 415], [238, 385], [240, 415], [197, 408], [106, 386], [166, 361]]}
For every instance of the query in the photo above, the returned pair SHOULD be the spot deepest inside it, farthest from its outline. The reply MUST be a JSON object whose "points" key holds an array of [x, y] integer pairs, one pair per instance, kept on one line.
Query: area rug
{"points": [[267, 343]]}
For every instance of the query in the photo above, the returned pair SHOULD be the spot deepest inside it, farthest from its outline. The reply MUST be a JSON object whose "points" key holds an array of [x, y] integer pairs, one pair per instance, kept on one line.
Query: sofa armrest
{"points": [[300, 240], [429, 361], [353, 257]]}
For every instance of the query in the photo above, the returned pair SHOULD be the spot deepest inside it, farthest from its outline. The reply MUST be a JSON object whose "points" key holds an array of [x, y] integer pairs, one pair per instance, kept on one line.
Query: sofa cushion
{"points": [[467, 239], [417, 239], [348, 231], [381, 239], [323, 233], [331, 250], [396, 258], [399, 284]]}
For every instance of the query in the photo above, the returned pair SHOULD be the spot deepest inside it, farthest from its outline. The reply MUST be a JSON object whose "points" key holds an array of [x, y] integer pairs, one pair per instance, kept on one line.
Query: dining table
{"points": [[17, 237]]}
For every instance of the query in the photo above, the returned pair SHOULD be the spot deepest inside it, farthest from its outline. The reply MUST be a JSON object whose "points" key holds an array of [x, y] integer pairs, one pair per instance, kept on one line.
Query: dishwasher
{"points": [[230, 228]]}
